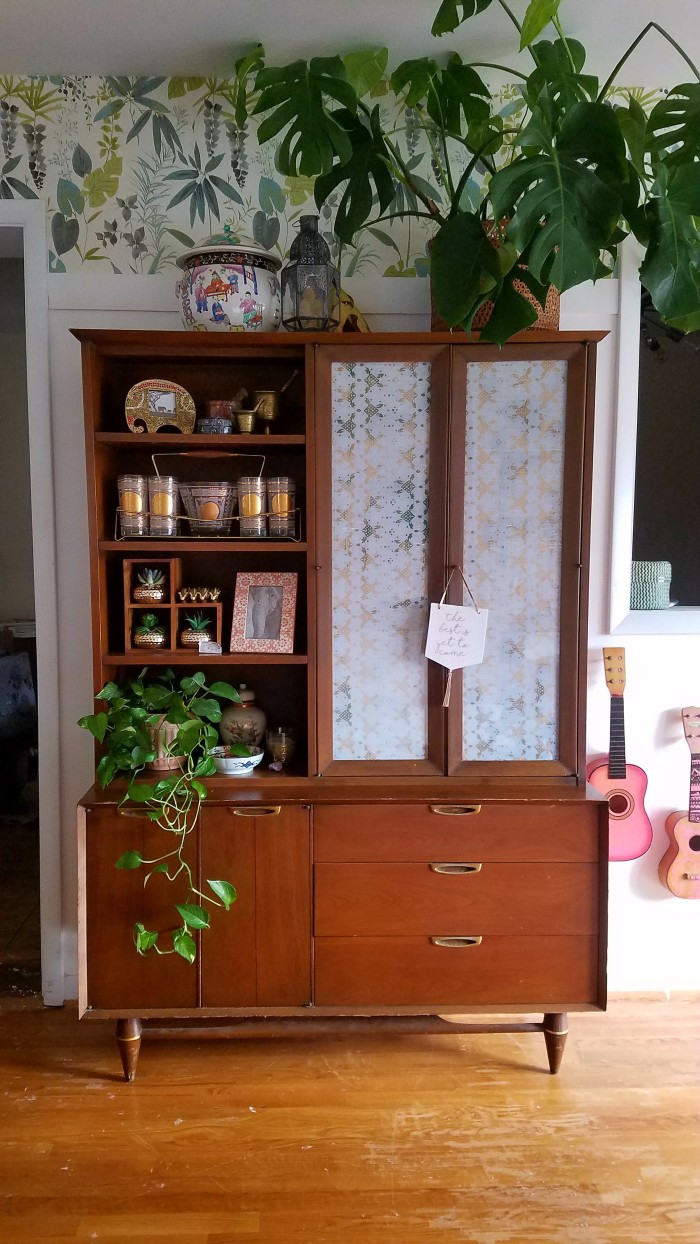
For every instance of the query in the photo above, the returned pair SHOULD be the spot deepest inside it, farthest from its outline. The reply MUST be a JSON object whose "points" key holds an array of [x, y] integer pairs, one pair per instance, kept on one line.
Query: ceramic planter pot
{"points": [[229, 284], [163, 736]]}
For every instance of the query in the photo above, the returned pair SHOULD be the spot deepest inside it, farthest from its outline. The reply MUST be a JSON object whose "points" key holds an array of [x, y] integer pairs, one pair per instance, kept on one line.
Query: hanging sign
{"points": [[456, 634]]}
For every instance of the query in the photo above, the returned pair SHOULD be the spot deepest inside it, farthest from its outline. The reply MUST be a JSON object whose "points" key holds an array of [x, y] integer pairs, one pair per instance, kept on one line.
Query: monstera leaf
{"points": [[464, 268], [537, 15], [563, 201], [314, 138], [559, 74], [671, 268], [367, 164], [512, 311], [446, 93], [452, 13], [673, 128]]}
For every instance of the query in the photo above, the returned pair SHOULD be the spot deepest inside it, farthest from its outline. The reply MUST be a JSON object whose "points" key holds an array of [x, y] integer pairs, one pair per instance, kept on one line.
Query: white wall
{"points": [[653, 937]]}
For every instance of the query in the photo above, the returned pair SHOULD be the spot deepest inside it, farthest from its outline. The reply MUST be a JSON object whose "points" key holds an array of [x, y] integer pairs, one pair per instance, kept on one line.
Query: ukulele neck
{"points": [[617, 763]]}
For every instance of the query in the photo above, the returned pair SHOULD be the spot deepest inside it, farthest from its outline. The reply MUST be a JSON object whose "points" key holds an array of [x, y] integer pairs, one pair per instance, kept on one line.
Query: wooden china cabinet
{"points": [[418, 864]]}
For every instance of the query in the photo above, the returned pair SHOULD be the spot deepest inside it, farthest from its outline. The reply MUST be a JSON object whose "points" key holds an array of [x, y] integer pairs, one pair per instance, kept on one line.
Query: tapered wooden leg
{"points": [[556, 1028], [129, 1042]]}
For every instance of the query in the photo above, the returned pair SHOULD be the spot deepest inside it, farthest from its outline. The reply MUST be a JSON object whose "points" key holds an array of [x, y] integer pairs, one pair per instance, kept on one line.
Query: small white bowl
{"points": [[236, 766]]}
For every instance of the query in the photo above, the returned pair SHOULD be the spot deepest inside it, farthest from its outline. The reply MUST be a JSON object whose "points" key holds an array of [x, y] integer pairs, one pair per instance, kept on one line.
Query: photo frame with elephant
{"points": [[264, 610]]}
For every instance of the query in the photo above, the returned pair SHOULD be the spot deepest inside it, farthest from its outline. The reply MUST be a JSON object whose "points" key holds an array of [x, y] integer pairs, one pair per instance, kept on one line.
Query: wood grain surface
{"points": [[418, 1140]]}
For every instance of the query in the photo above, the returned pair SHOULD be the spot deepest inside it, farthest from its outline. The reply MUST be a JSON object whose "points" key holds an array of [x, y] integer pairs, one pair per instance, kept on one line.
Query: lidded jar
{"points": [[244, 722]]}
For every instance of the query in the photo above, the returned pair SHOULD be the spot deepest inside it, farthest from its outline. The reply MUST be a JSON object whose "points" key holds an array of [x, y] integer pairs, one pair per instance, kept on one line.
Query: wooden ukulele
{"points": [[624, 785], [680, 867]]}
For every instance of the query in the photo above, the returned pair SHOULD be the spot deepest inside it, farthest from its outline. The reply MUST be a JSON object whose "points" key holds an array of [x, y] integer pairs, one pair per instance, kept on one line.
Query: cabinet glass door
{"points": [[516, 497], [381, 544]]}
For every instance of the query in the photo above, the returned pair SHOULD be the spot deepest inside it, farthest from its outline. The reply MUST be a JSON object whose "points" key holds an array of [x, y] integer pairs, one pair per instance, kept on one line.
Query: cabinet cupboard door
{"points": [[381, 529], [113, 975], [518, 514], [259, 952]]}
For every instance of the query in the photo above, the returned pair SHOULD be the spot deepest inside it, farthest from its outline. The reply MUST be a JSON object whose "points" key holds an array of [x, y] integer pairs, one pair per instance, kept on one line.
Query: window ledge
{"points": [[678, 620]]}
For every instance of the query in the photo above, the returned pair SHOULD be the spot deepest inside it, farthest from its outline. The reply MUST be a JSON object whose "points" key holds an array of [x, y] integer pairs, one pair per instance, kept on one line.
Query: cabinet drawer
{"points": [[400, 899], [402, 832], [501, 971]]}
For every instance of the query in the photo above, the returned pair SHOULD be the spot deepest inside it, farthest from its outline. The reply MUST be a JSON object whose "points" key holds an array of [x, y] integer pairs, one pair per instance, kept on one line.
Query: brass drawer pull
{"points": [[456, 942], [135, 813], [455, 869], [455, 809], [274, 810]]}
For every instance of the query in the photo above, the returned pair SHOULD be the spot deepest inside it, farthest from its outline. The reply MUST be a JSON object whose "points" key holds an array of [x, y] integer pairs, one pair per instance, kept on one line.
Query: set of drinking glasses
{"points": [[148, 506]]}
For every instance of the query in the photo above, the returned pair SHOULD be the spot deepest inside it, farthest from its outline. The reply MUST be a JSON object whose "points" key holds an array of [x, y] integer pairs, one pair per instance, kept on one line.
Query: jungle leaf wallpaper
{"points": [[135, 170]]}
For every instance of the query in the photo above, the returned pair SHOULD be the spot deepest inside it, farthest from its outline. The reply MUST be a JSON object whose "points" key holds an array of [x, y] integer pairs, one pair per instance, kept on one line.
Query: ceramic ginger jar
{"points": [[244, 722], [229, 284]]}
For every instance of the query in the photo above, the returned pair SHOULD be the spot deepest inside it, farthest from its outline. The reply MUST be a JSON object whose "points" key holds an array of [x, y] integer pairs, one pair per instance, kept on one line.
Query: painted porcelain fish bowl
{"points": [[229, 284]]}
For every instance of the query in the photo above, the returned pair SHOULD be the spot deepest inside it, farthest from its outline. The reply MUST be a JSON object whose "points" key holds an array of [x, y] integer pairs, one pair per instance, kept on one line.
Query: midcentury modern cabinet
{"points": [[420, 860]]}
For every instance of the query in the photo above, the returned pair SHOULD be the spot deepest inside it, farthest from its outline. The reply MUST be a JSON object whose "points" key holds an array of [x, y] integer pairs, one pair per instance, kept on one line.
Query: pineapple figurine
{"points": [[200, 627], [150, 632], [151, 585]]}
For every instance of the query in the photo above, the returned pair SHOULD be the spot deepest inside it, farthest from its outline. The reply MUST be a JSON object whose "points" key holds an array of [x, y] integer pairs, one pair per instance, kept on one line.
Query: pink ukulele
{"points": [[624, 785], [680, 867]]}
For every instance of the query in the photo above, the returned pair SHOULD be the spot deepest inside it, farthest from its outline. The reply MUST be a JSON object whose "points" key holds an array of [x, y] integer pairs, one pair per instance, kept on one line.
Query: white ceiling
{"points": [[206, 36]]}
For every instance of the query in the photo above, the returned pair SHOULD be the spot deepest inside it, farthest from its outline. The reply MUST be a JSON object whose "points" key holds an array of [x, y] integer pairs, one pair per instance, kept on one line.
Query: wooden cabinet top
{"points": [[133, 342]]}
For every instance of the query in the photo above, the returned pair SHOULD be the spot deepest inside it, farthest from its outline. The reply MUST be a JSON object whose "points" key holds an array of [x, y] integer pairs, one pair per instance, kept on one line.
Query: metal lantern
{"points": [[310, 283]]}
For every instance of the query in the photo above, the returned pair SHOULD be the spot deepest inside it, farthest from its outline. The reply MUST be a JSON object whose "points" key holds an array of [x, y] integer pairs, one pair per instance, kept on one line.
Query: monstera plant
{"points": [[573, 176]]}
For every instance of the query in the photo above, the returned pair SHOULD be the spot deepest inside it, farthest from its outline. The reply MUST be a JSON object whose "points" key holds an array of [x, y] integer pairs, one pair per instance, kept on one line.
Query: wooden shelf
{"points": [[166, 440], [152, 546], [184, 656]]}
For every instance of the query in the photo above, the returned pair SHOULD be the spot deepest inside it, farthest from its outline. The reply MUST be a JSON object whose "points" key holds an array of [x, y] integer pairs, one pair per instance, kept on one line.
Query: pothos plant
{"points": [[573, 176], [129, 728]]}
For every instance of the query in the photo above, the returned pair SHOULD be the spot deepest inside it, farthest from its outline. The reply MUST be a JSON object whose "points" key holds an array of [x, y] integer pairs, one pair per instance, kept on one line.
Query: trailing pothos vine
{"points": [[130, 729]]}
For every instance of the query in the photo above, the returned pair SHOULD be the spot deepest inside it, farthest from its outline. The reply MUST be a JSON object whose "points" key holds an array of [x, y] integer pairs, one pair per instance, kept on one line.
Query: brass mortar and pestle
{"points": [[267, 403]]}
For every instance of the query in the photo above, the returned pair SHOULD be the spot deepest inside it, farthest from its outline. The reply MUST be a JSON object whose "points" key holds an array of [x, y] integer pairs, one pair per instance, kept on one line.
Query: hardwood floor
{"points": [[413, 1139]]}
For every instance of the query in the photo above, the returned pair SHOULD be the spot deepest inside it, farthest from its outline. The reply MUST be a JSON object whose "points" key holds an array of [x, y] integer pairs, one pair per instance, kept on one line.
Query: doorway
{"points": [[30, 838], [20, 934]]}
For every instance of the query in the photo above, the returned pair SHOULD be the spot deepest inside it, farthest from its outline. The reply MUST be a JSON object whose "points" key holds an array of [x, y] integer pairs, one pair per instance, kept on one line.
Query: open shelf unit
{"points": [[284, 683]]}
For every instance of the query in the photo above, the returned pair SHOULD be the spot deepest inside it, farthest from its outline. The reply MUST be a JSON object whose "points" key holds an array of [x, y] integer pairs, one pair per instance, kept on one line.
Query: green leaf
{"points": [[192, 684], [464, 266], [512, 311], [384, 238], [196, 917], [177, 87], [24, 191], [313, 140], [673, 128], [366, 164], [64, 233], [244, 67], [183, 238], [537, 15], [225, 691], [96, 723], [364, 70], [224, 891], [102, 183], [671, 268], [207, 708], [458, 90], [271, 196], [106, 771], [448, 15], [110, 110], [109, 692], [415, 77], [130, 859], [81, 161], [144, 940], [564, 209], [185, 945], [140, 792], [633, 124], [266, 229], [138, 126]]}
